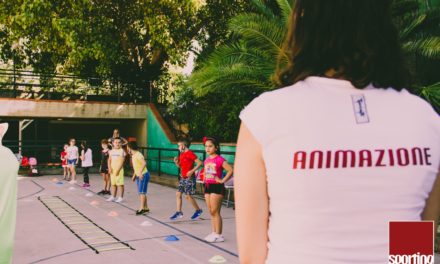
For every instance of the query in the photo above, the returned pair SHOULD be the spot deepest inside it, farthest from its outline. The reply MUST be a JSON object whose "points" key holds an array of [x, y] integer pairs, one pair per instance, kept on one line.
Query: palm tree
{"points": [[250, 60], [419, 32]]}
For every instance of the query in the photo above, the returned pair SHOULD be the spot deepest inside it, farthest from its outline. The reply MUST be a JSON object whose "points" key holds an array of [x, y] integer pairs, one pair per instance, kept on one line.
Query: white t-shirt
{"points": [[341, 163], [72, 152], [87, 162]]}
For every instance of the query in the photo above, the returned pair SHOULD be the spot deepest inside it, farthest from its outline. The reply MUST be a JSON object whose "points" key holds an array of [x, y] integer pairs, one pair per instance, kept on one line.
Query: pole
{"points": [[20, 135], [15, 77], [151, 91]]}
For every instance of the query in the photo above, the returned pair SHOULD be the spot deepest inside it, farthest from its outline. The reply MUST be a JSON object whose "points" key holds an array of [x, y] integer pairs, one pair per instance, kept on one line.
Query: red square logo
{"points": [[411, 242]]}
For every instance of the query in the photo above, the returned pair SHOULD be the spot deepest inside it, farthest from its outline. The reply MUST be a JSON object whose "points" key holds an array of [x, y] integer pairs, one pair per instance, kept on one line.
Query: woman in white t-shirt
{"points": [[325, 163], [86, 162]]}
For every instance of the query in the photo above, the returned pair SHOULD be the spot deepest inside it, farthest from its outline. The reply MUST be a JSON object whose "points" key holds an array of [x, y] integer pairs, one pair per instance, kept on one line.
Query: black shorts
{"points": [[103, 169], [218, 188]]}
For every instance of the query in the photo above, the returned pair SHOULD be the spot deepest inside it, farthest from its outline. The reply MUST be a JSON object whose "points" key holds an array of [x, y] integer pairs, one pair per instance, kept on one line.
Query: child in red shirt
{"points": [[66, 171], [187, 180]]}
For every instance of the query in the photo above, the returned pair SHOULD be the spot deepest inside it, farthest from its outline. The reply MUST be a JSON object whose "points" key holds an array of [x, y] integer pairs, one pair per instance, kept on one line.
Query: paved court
{"points": [[41, 237]]}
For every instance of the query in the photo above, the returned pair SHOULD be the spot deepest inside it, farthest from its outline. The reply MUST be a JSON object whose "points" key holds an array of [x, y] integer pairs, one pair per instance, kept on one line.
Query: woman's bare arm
{"points": [[252, 201]]}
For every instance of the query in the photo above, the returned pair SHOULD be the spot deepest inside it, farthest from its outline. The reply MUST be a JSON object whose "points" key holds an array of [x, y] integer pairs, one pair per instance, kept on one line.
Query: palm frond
{"points": [[259, 31], [432, 95], [286, 7], [263, 9], [428, 47], [412, 26], [235, 65]]}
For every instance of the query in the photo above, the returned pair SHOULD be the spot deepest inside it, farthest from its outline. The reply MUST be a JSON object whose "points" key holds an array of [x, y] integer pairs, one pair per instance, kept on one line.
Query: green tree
{"points": [[249, 60], [129, 41]]}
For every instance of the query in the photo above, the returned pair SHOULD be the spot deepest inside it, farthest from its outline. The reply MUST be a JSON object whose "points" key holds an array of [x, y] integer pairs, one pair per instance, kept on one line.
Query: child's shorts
{"points": [[217, 188], [143, 185], [187, 186], [117, 180], [71, 162]]}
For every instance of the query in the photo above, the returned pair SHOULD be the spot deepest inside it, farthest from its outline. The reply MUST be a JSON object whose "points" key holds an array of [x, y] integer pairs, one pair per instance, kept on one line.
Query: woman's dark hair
{"points": [[84, 145], [355, 38], [133, 145], [214, 141]]}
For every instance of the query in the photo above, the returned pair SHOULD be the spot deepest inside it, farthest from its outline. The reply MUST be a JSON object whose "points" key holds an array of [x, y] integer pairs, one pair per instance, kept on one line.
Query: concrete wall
{"points": [[66, 109], [159, 136]]}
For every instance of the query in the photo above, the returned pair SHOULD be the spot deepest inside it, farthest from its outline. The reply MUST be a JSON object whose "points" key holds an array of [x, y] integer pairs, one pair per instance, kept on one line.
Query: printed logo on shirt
{"points": [[360, 108], [411, 242], [210, 171], [334, 159]]}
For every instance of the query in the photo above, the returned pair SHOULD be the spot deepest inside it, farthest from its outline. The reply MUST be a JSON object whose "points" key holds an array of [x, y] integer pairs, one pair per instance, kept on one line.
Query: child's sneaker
{"points": [[110, 199], [119, 200], [72, 182], [176, 215], [216, 238], [142, 211], [196, 214], [102, 192], [85, 185], [210, 236]]}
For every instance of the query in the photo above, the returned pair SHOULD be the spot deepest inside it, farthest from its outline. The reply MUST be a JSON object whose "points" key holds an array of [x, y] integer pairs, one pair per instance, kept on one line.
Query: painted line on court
{"points": [[172, 227], [32, 194]]}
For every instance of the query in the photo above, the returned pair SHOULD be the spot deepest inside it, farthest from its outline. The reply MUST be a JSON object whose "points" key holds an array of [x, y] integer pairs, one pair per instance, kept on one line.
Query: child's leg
{"points": [[64, 172], [86, 175], [190, 189], [192, 201], [121, 188], [215, 207], [142, 200], [145, 202], [103, 179], [73, 172], [178, 201], [70, 166], [106, 182], [208, 205], [114, 190]]}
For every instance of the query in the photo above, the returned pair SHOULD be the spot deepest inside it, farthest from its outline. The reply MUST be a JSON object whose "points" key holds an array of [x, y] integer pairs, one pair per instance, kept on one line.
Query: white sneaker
{"points": [[119, 200], [210, 237], [110, 199], [72, 182], [214, 237]]}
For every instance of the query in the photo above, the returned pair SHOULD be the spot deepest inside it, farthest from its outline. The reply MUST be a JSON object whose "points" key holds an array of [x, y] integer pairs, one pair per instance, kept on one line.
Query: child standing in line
{"points": [[66, 171], [103, 169], [187, 180], [86, 162], [214, 186], [116, 170], [72, 159], [141, 175]]}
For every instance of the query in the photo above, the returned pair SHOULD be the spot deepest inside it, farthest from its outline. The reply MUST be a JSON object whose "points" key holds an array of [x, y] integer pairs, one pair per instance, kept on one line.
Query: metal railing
{"points": [[160, 160], [30, 85]]}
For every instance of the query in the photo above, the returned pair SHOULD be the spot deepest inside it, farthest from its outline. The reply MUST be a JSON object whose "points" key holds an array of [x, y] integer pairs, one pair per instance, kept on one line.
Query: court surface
{"points": [[62, 223]]}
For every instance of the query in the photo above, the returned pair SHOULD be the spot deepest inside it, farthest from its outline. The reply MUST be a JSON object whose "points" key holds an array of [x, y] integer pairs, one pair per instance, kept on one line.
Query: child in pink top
{"points": [[214, 186]]}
